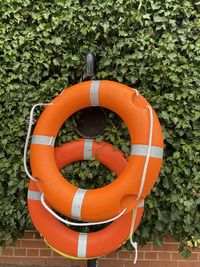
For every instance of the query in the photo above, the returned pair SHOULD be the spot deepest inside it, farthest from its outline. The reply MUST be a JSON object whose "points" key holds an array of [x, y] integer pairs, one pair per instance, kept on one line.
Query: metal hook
{"points": [[90, 66], [92, 263]]}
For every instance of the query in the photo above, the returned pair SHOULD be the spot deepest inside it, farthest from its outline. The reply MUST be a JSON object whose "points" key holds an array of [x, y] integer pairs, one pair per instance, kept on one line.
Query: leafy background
{"points": [[151, 45]]}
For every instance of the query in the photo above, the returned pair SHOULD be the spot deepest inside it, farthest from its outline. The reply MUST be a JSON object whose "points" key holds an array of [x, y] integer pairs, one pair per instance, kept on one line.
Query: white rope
{"points": [[148, 153], [28, 137], [136, 92], [134, 244], [77, 224], [140, 4]]}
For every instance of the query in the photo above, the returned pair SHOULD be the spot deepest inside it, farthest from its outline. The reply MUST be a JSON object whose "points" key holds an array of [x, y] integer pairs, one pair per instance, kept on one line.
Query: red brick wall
{"points": [[31, 250]]}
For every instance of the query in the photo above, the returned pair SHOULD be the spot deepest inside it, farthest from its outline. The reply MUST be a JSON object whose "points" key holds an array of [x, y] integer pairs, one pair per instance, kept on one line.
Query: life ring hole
{"points": [[92, 174], [88, 174], [90, 122], [87, 229]]}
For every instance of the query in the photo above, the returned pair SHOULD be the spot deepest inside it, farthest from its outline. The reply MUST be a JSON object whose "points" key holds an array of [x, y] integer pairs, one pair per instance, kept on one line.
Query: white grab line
{"points": [[148, 154], [28, 137], [77, 224], [136, 92], [134, 244]]}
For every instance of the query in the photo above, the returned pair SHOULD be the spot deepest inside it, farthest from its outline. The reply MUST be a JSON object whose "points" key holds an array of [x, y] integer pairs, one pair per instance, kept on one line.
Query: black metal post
{"points": [[92, 263], [90, 68]]}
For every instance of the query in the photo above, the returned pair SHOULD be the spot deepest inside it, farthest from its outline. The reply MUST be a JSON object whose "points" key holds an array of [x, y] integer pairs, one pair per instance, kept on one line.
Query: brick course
{"points": [[32, 251]]}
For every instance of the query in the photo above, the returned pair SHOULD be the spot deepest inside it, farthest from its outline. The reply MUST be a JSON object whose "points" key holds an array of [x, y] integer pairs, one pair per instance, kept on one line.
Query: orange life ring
{"points": [[132, 185], [70, 242]]}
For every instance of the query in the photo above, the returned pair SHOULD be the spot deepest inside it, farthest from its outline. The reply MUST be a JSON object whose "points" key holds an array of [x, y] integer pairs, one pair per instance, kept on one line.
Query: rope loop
{"points": [[78, 224]]}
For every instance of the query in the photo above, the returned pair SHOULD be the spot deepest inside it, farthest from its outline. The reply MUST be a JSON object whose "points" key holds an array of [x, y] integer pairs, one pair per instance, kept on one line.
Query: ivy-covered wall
{"points": [[151, 45]]}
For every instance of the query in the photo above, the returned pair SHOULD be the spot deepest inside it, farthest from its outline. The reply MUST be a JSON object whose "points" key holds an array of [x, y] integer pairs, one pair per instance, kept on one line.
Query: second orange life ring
{"points": [[67, 241]]}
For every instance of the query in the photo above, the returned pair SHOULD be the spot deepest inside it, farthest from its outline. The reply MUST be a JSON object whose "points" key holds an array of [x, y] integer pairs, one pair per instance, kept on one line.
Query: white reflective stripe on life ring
{"points": [[94, 93], [43, 140], [34, 195], [77, 203], [141, 150], [87, 149], [82, 245]]}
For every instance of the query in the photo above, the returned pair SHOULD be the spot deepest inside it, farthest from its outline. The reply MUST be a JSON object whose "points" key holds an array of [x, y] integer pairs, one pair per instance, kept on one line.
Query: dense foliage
{"points": [[151, 45]]}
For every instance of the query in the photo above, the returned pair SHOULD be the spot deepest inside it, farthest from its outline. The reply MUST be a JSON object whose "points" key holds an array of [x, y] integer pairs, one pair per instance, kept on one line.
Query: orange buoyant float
{"points": [[140, 173], [67, 241]]}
